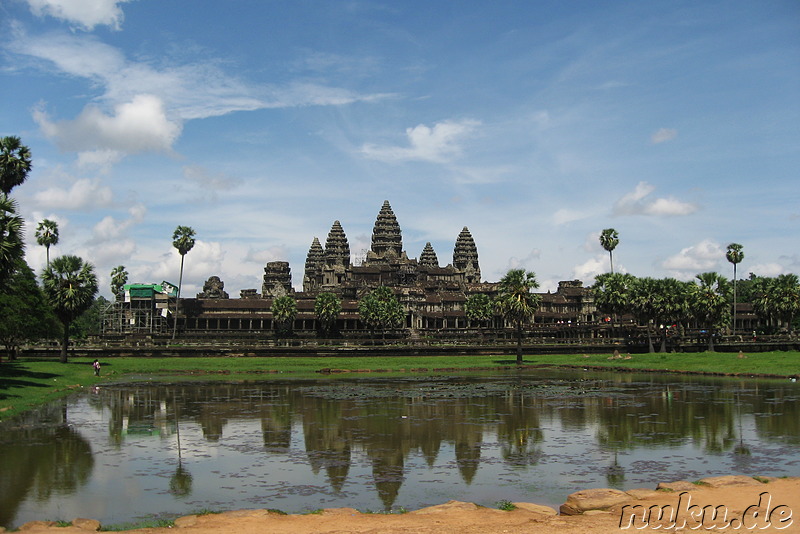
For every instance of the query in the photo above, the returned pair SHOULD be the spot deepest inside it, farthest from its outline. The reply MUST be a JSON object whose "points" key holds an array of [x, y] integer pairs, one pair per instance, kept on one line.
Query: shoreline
{"points": [[749, 503]]}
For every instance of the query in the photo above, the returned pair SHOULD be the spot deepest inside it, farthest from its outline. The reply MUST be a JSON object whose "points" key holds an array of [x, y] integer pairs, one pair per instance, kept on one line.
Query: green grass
{"points": [[30, 382], [146, 523]]}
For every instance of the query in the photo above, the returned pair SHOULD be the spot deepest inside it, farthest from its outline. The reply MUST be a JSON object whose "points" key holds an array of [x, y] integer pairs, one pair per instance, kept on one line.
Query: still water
{"points": [[124, 453]]}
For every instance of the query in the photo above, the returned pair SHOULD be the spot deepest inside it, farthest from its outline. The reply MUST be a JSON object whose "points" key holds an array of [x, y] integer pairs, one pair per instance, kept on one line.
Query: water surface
{"points": [[128, 452]]}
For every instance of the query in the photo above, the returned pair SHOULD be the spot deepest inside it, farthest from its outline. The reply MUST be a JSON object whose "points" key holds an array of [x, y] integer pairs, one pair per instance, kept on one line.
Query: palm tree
{"points": [[284, 311], [612, 294], [709, 302], [779, 298], [119, 277], [327, 306], [516, 303], [380, 309], [645, 302], [47, 235], [183, 240], [609, 239], [735, 255], [12, 244], [70, 285], [15, 163]]}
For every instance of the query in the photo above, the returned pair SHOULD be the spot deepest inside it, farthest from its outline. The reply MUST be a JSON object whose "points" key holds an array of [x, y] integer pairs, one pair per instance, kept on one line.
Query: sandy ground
{"points": [[751, 507]]}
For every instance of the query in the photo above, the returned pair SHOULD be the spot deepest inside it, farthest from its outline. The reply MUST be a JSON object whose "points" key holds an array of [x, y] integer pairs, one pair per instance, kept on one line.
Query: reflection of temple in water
{"points": [[337, 430]]}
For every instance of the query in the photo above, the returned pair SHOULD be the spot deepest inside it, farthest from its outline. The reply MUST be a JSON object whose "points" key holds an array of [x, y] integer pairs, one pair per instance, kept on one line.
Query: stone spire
{"points": [[465, 257], [337, 250], [387, 240], [428, 257], [314, 262]]}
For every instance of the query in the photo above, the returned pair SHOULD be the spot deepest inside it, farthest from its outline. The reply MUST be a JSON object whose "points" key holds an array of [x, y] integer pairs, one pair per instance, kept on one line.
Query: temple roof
{"points": [[428, 257]]}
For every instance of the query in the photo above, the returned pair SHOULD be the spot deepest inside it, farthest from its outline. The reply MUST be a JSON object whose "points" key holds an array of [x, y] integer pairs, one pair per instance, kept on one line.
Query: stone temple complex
{"points": [[432, 295]]}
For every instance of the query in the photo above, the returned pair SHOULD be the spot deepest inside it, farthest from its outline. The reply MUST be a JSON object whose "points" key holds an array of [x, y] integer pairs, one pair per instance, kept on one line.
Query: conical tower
{"points": [[428, 257], [387, 239], [337, 250], [465, 257], [314, 262]]}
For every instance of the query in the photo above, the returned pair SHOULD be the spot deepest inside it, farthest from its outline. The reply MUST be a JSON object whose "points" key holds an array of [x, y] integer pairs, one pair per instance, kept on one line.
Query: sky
{"points": [[536, 124]]}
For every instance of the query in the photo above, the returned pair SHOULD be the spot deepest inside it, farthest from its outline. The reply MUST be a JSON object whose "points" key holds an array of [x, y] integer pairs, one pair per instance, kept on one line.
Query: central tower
{"points": [[387, 239]]}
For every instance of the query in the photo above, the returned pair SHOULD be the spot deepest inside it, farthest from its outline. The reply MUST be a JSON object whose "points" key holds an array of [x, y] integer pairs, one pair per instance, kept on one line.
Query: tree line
{"points": [[65, 305]]}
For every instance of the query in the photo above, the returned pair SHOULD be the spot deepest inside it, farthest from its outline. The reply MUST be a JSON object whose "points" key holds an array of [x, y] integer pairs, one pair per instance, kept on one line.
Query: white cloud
{"points": [[703, 257], [85, 13], [84, 193], [137, 126], [438, 144], [663, 135], [637, 202], [588, 270], [768, 269], [111, 229]]}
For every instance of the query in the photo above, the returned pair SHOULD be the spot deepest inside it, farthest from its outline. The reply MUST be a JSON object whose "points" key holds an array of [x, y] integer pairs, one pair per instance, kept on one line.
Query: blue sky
{"points": [[535, 124]]}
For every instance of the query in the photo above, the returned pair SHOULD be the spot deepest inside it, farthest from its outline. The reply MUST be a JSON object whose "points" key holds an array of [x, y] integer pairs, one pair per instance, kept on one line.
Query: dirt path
{"points": [[745, 501]]}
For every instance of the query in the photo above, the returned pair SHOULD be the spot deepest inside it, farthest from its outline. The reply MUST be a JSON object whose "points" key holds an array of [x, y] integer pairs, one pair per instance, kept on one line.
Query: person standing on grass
{"points": [[96, 367]]}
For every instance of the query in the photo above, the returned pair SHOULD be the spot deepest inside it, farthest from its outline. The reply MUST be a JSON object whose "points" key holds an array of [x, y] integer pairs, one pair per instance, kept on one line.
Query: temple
{"points": [[432, 295]]}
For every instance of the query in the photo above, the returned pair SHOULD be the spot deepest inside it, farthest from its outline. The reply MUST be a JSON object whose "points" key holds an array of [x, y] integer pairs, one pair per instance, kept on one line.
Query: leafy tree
{"points": [[380, 310], [183, 241], [735, 255], [47, 235], [479, 307], [516, 303], [90, 322], [15, 163], [709, 300], [327, 306], [119, 277], [70, 285], [25, 315], [609, 239], [284, 311], [12, 244]]}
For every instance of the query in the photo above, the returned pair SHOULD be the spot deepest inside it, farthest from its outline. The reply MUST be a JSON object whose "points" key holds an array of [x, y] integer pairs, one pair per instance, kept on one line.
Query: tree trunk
{"points": [[519, 343], [178, 300], [710, 339], [65, 343]]}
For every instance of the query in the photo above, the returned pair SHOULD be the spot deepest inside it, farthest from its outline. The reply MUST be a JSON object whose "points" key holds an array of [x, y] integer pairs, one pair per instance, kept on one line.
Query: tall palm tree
{"points": [[15, 163], [47, 235], [645, 302], [119, 277], [710, 302], [516, 303], [12, 242], [609, 239], [612, 294], [70, 285], [183, 241], [735, 255]]}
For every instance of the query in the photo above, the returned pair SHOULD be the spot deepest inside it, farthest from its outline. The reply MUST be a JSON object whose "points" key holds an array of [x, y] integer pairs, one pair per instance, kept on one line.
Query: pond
{"points": [[124, 453]]}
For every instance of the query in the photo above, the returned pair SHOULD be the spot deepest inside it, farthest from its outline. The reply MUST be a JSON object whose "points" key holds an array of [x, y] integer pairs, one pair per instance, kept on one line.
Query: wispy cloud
{"points": [[662, 135], [639, 202], [437, 144]]}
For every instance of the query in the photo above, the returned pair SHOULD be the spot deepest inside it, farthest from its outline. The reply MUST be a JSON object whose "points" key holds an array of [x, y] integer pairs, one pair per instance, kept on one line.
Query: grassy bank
{"points": [[28, 383]]}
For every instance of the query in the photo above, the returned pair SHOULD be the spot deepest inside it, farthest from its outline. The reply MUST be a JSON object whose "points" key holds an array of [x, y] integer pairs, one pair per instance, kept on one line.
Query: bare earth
{"points": [[751, 506]]}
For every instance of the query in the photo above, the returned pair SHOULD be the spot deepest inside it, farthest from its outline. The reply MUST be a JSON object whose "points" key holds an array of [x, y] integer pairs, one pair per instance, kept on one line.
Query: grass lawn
{"points": [[30, 382]]}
